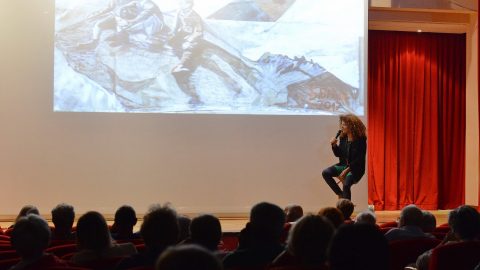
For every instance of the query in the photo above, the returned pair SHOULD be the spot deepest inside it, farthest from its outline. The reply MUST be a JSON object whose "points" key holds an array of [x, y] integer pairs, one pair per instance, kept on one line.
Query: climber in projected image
{"points": [[187, 42], [132, 21]]}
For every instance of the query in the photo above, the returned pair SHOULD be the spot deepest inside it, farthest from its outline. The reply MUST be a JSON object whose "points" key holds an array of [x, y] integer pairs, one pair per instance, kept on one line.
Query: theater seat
{"points": [[404, 252], [458, 256], [61, 250], [6, 264]]}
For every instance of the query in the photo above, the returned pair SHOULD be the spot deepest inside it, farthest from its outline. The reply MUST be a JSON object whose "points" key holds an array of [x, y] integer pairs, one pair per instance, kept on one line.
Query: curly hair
{"points": [[355, 125]]}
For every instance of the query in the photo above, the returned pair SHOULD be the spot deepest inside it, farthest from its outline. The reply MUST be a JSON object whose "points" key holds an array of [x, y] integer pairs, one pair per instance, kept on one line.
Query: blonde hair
{"points": [[355, 125]]}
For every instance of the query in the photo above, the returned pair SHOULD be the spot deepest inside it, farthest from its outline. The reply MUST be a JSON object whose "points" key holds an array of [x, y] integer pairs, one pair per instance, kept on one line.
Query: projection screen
{"points": [[210, 105]]}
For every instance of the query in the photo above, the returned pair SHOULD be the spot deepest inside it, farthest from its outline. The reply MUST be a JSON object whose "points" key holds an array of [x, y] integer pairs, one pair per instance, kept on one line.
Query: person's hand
{"points": [[333, 141]]}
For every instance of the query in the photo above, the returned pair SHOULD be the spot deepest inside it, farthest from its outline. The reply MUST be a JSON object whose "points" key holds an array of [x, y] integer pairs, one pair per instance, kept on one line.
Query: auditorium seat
{"points": [[7, 263], [384, 230], [102, 264], [8, 254], [229, 241], [404, 252], [444, 229], [61, 250], [392, 224], [458, 256], [5, 238]]}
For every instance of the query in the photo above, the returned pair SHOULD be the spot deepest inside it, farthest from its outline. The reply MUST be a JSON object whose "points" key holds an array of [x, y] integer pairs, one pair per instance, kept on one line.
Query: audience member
{"points": [[429, 222], [184, 227], [206, 231], [94, 241], [125, 220], [409, 225], [360, 247], [188, 257], [159, 230], [30, 237], [307, 243], [464, 222], [26, 210], [346, 207], [63, 216], [367, 217], [332, 214], [293, 212], [259, 241]]}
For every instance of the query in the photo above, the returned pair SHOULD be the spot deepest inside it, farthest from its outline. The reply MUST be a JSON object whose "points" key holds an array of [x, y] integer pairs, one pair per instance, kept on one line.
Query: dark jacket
{"points": [[352, 154]]}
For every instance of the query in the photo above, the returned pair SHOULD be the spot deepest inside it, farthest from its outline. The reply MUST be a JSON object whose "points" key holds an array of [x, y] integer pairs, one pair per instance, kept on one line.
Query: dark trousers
{"points": [[335, 171]]}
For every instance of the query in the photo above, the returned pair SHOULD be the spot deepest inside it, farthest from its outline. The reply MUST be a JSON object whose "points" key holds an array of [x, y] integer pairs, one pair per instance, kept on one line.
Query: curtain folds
{"points": [[416, 119]]}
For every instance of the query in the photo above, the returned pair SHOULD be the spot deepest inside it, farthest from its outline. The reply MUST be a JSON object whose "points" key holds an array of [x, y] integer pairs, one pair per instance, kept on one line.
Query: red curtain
{"points": [[416, 119]]}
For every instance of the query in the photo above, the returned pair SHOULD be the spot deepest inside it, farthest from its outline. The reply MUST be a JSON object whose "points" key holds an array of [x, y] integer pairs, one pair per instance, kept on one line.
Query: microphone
{"points": [[338, 134]]}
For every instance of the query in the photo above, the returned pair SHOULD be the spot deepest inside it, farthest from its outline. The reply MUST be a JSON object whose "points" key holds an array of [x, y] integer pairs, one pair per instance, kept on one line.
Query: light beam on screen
{"points": [[210, 56]]}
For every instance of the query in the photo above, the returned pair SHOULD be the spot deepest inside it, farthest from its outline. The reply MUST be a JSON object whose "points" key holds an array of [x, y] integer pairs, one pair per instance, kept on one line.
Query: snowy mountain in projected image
{"points": [[217, 56]]}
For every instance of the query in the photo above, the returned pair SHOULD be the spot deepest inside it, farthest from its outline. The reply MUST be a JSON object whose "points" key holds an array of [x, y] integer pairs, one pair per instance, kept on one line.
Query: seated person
{"points": [[429, 222], [188, 257], [30, 237], [409, 225], [366, 216], [307, 243], [259, 241], [125, 220], [63, 216], [346, 207], [159, 231], [205, 231], [358, 246], [26, 210], [184, 227], [94, 241], [332, 214], [293, 212]]}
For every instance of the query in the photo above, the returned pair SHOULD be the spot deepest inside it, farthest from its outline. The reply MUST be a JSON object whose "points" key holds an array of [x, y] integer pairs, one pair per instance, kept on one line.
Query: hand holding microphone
{"points": [[334, 140]]}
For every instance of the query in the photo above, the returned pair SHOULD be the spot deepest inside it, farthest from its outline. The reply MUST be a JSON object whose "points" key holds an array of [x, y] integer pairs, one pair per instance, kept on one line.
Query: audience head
{"points": [[184, 227], [93, 232], [30, 236], [206, 231], [309, 238], [26, 210], [346, 207], [465, 222], [293, 212], [266, 222], [358, 246], [332, 214], [188, 257], [63, 216], [367, 217], [429, 222], [410, 215], [160, 227], [125, 217]]}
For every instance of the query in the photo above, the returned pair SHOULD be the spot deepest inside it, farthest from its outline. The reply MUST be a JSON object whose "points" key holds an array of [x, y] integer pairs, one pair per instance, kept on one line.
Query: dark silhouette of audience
{"points": [[259, 241], [159, 231], [205, 231], [188, 257], [429, 222], [360, 247], [409, 225], [293, 212], [125, 220], [94, 241], [346, 207], [63, 216], [184, 227], [367, 217], [26, 210], [333, 214], [307, 243], [30, 237]]}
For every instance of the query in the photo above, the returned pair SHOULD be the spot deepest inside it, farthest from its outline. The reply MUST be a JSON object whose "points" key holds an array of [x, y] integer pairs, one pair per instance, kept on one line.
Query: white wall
{"points": [[200, 163]]}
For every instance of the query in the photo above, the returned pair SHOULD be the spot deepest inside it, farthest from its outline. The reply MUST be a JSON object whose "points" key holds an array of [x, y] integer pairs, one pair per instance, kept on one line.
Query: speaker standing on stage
{"points": [[351, 151]]}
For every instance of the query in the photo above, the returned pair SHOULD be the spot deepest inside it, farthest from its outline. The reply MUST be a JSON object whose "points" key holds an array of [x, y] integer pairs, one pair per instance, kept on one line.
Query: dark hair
{"points": [[26, 210], [63, 216], [30, 236], [160, 227], [358, 246], [183, 227], [309, 239], [355, 125], [206, 231], [92, 232], [465, 222], [411, 215], [346, 207], [188, 257], [429, 222], [293, 212], [266, 221], [125, 216]]}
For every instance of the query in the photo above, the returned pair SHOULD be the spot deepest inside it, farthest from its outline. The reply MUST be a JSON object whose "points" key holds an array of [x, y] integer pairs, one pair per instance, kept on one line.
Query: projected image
{"points": [[209, 56]]}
